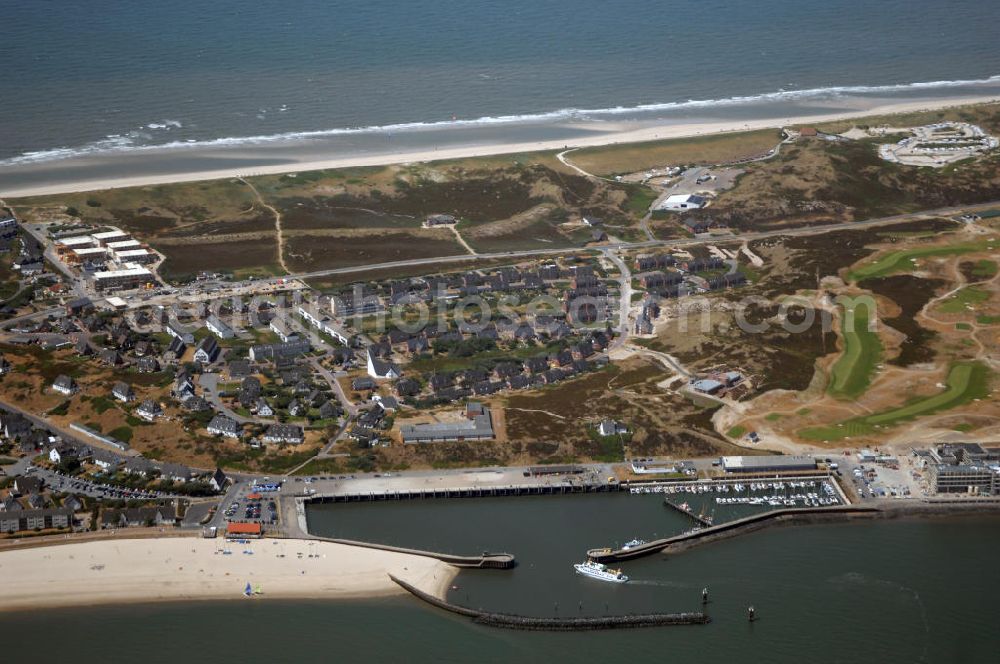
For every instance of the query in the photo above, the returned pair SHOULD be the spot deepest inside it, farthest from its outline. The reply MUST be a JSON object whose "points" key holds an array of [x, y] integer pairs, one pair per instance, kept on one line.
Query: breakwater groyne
{"points": [[568, 624], [732, 528], [485, 560]]}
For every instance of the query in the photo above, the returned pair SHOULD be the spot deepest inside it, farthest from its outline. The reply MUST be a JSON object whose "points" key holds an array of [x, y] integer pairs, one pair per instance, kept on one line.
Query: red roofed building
{"points": [[243, 530]]}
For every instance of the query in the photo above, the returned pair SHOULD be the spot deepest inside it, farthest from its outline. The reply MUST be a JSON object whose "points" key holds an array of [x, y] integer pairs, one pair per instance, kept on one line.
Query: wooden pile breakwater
{"points": [[469, 492], [568, 624]]}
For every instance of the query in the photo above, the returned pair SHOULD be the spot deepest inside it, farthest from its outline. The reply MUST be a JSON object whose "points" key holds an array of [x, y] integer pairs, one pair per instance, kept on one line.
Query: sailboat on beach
{"points": [[248, 591]]}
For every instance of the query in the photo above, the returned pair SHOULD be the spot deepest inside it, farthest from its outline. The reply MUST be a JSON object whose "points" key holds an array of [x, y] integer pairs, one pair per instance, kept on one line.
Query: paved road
{"points": [[625, 297], [681, 242], [209, 383], [280, 283], [65, 434], [331, 379]]}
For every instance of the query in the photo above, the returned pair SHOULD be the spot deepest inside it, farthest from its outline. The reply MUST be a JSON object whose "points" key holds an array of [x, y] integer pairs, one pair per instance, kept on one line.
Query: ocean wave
{"points": [[115, 143]]}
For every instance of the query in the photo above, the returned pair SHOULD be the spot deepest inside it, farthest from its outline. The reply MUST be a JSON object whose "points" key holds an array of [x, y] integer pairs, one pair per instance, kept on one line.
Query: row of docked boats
{"points": [[730, 487], [782, 500]]}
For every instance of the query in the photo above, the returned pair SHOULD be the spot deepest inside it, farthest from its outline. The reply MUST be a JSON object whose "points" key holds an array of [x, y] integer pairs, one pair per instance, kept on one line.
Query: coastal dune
{"points": [[174, 569], [143, 163]]}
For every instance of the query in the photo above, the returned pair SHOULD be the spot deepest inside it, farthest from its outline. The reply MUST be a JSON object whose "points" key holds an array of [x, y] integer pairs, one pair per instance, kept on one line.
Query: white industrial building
{"points": [[682, 202]]}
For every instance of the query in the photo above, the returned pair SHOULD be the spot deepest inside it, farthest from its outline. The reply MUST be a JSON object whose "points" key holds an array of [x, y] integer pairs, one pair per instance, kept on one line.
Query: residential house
{"points": [[378, 368], [138, 465], [217, 327], [387, 403], [284, 433], [25, 485], [175, 472], [282, 329], [363, 384], [36, 519], [83, 348], [239, 369], [147, 364], [183, 386], [218, 480], [406, 387], [110, 357], [222, 425], [62, 452], [105, 460], [123, 392], [611, 428], [276, 352], [262, 408], [78, 306], [174, 330], [329, 410], [207, 351], [175, 350], [250, 391], [196, 405], [15, 426], [64, 385], [536, 364]]}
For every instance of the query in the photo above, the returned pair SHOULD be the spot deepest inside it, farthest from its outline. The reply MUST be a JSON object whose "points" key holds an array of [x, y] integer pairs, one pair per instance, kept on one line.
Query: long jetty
{"points": [[732, 528], [485, 560], [568, 624]]}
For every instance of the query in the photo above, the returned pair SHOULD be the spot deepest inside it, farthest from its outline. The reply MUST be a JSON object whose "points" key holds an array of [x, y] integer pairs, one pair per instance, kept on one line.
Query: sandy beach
{"points": [[602, 134], [173, 569]]}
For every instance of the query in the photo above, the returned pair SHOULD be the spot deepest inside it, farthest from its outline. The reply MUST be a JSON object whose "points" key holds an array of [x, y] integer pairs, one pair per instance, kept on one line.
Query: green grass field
{"points": [[966, 381], [902, 261], [737, 431], [984, 269], [962, 300], [851, 375]]}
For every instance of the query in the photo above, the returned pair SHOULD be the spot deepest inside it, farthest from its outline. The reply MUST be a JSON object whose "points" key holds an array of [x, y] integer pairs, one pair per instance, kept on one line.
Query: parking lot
{"points": [[254, 502], [59, 482]]}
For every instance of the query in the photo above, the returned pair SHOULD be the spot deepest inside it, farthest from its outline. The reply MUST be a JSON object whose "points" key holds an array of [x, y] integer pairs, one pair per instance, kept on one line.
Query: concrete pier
{"points": [[733, 528]]}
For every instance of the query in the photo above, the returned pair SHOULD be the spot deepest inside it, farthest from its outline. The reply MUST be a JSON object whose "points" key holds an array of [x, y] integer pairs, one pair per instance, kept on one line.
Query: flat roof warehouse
{"points": [[760, 464]]}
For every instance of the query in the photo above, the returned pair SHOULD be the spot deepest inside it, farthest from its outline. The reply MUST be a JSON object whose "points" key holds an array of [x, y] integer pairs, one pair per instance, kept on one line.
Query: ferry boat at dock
{"points": [[600, 572]]}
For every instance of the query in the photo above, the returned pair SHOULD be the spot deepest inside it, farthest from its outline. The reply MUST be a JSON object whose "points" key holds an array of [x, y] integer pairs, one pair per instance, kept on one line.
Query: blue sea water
{"points": [[84, 77]]}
